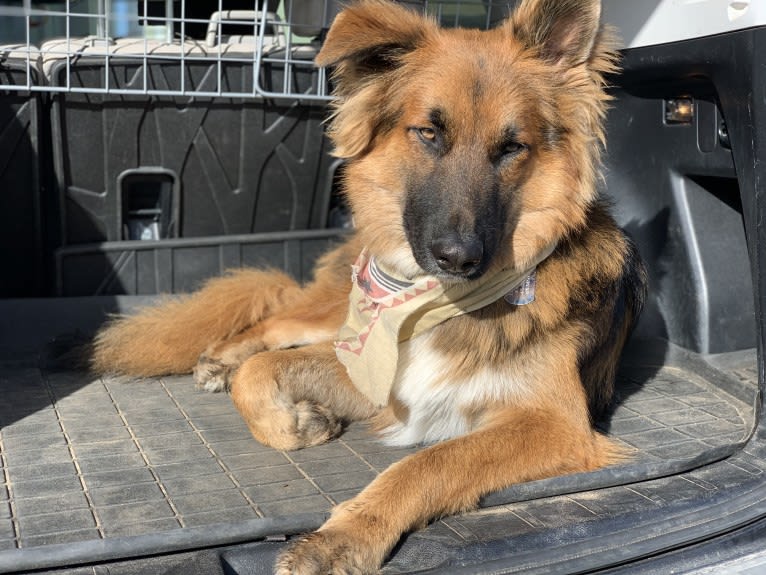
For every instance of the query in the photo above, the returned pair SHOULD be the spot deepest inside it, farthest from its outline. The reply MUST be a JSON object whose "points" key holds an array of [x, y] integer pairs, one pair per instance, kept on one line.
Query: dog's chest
{"points": [[439, 405]]}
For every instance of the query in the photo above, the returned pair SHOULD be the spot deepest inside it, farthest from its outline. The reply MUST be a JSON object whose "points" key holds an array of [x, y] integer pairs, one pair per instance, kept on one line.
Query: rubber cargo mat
{"points": [[86, 459]]}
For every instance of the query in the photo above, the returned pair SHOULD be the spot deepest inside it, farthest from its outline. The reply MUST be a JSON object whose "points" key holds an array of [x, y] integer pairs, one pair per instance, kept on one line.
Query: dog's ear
{"points": [[369, 37], [367, 42], [563, 31]]}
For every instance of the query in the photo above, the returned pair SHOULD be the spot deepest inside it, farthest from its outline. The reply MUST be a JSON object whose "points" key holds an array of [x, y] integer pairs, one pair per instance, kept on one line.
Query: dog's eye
{"points": [[512, 148], [428, 134]]}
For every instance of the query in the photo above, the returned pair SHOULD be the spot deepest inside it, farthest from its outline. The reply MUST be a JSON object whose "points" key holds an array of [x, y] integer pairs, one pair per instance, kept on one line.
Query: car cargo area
{"points": [[135, 165]]}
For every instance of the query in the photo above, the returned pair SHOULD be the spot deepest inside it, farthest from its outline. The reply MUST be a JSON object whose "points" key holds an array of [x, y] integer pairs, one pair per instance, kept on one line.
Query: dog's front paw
{"points": [[314, 424], [327, 552], [212, 374]]}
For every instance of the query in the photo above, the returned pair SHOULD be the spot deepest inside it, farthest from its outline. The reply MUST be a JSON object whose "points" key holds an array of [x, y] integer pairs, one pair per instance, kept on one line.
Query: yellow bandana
{"points": [[385, 311]]}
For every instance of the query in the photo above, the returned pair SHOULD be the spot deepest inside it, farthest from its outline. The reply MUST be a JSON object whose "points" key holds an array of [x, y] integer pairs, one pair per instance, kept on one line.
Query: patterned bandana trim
{"points": [[376, 283]]}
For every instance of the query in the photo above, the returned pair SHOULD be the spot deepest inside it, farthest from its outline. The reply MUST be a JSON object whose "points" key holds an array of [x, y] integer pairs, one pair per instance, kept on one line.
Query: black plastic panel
{"points": [[243, 165], [20, 192], [676, 191]]}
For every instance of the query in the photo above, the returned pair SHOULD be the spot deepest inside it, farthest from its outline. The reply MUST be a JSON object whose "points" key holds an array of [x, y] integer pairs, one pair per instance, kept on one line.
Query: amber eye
{"points": [[428, 134]]}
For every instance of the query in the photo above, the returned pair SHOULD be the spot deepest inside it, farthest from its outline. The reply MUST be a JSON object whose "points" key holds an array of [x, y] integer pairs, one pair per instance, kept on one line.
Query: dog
{"points": [[491, 292]]}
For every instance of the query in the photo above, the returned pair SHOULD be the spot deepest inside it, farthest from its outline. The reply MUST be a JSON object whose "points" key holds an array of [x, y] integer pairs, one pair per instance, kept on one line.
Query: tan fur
{"points": [[169, 337], [511, 117]]}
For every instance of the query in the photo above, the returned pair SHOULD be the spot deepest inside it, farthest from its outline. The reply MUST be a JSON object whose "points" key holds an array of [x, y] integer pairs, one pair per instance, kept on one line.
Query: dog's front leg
{"points": [[519, 445], [295, 398]]}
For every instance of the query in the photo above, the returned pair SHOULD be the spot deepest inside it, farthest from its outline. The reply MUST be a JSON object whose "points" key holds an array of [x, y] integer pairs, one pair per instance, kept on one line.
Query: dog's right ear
{"points": [[367, 38]]}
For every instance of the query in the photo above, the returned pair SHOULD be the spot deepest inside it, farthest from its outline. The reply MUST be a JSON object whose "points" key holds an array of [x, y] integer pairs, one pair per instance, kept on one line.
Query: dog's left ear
{"points": [[564, 31], [369, 37]]}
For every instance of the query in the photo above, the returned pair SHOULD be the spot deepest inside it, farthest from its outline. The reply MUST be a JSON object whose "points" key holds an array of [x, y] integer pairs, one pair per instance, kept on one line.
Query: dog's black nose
{"points": [[458, 255]]}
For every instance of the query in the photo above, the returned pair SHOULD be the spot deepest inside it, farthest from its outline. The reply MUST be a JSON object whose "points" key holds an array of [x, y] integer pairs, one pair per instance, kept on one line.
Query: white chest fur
{"points": [[438, 404]]}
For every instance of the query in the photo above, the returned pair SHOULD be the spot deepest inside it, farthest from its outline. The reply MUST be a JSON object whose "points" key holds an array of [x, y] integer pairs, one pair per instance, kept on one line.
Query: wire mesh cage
{"points": [[180, 48]]}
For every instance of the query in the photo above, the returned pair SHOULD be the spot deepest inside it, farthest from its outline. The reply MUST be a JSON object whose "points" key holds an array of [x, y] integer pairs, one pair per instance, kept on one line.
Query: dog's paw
{"points": [[212, 374], [315, 424], [324, 553]]}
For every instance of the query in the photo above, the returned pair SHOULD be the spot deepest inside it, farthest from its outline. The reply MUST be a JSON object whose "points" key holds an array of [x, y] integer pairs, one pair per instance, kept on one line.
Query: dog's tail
{"points": [[169, 337]]}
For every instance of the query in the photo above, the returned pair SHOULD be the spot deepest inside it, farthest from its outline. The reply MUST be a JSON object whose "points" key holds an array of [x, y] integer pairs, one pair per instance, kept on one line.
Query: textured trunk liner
{"points": [[86, 459]]}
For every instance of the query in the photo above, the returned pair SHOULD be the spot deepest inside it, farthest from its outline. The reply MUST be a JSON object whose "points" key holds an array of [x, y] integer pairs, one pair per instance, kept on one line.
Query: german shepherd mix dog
{"points": [[491, 292]]}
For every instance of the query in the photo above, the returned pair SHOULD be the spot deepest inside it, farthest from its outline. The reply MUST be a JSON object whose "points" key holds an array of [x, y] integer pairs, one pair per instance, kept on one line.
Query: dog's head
{"points": [[468, 149]]}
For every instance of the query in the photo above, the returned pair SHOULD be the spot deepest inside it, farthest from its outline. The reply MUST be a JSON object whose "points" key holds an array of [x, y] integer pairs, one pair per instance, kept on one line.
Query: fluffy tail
{"points": [[169, 337]]}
